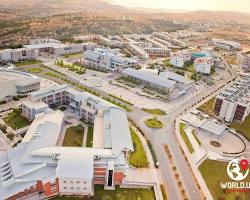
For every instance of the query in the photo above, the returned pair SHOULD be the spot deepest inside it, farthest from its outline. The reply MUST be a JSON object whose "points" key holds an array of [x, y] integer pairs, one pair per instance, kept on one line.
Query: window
{"points": [[65, 188], [85, 188], [64, 181], [72, 188], [78, 188], [77, 181]]}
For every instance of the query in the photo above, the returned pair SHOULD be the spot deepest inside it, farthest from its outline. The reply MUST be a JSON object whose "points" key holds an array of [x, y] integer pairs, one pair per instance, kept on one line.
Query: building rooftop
{"points": [[212, 127], [149, 77]]}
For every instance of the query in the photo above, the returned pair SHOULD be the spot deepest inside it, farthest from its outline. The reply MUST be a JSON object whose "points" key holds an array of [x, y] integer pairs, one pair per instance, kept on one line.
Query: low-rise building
{"points": [[15, 83], [38, 165], [233, 104], [203, 65], [179, 58], [149, 79], [56, 48], [243, 60], [226, 44], [108, 60]]}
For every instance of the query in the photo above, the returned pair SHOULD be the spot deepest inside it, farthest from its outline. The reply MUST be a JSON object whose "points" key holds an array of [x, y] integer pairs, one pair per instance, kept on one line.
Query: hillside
{"points": [[54, 7]]}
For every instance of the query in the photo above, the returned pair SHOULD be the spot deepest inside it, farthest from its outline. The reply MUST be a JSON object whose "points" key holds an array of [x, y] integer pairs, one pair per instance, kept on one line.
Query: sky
{"points": [[227, 5]]}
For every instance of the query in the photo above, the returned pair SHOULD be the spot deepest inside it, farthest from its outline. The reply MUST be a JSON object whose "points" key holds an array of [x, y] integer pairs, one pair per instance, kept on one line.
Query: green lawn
{"points": [[138, 158], [73, 55], [208, 107], [155, 111], [74, 136], [16, 120], [27, 62], [243, 127], [196, 138], [215, 172], [153, 123], [117, 194], [35, 70], [90, 137], [185, 138]]}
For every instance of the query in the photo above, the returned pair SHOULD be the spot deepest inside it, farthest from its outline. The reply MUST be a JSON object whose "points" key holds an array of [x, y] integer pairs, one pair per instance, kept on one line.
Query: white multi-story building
{"points": [[203, 65], [233, 104], [15, 55], [107, 59], [227, 45], [161, 52], [56, 48], [179, 58], [38, 165], [15, 83], [244, 61], [138, 51]]}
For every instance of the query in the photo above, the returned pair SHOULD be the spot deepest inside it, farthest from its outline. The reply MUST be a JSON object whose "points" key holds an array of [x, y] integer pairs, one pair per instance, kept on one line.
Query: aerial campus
{"points": [[126, 116]]}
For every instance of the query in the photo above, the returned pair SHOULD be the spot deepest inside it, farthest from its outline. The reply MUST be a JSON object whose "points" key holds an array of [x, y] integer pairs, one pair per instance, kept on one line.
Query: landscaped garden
{"points": [[72, 67], [117, 194], [74, 136], [154, 123], [215, 172], [34, 70], [27, 62], [243, 128], [138, 158], [155, 111], [185, 138], [16, 120]]}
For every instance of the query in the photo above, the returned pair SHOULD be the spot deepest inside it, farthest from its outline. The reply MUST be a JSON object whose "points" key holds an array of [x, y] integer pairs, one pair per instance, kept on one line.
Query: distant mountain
{"points": [[52, 7]]}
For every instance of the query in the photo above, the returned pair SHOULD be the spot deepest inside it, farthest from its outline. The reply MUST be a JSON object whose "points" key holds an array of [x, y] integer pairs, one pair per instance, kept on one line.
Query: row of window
{"points": [[78, 182], [74, 188]]}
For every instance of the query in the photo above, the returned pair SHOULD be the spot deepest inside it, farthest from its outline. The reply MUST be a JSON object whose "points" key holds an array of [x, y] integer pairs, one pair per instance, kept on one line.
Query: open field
{"points": [[208, 107], [74, 136]]}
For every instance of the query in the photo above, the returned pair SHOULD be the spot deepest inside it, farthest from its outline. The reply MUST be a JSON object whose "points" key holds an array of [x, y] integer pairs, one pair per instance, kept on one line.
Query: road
{"points": [[167, 136]]}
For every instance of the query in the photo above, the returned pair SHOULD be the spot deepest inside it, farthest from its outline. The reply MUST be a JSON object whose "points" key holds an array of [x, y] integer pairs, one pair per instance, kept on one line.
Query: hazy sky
{"points": [[229, 5]]}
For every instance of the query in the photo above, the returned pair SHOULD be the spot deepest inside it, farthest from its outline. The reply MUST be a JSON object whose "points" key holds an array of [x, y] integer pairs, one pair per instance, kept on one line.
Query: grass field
{"points": [[243, 128], [16, 120], [73, 55], [74, 136], [27, 62], [117, 194], [215, 172], [90, 137], [208, 107], [138, 158], [153, 123], [185, 138], [35, 70], [155, 111]]}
